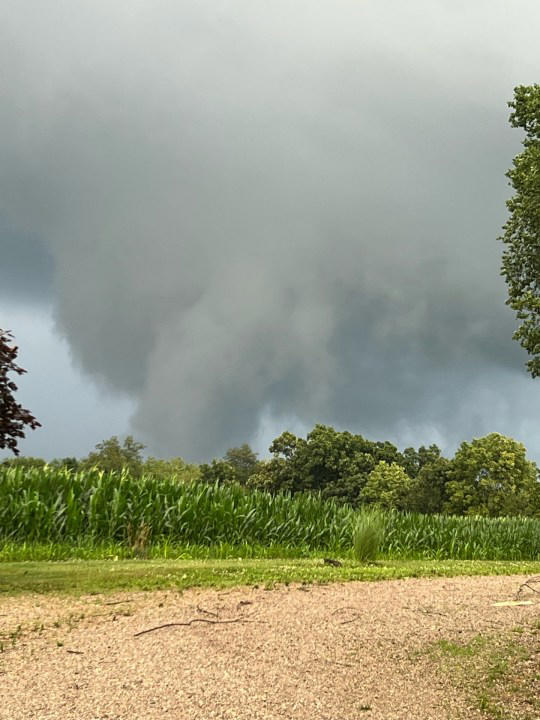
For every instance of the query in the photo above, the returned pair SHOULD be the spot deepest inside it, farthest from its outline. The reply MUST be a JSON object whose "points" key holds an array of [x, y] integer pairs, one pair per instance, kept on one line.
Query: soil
{"points": [[324, 652]]}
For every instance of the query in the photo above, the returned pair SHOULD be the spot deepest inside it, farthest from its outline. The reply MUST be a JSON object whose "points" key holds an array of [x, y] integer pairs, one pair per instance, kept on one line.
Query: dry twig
{"points": [[194, 620], [529, 585]]}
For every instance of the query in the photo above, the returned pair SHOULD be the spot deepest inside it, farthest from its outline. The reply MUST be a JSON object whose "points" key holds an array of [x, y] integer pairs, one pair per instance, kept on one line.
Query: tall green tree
{"points": [[218, 471], [521, 257], [69, 463], [428, 493], [491, 476], [111, 455], [243, 460], [173, 467], [414, 460], [388, 486]]}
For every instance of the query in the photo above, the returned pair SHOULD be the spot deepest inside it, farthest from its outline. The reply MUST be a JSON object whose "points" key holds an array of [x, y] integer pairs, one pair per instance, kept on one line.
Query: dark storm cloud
{"points": [[273, 208]]}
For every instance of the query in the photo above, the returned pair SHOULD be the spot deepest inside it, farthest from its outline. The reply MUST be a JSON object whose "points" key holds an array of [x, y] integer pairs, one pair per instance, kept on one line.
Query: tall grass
{"points": [[45, 506], [368, 534]]}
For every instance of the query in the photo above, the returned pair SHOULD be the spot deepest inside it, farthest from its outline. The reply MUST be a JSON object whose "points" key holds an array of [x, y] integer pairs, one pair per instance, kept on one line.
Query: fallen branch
{"points": [[529, 585], [194, 620], [117, 602]]}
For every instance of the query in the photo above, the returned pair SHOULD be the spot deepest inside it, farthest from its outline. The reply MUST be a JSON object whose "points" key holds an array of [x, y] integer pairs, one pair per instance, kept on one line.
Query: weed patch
{"points": [[500, 672]]}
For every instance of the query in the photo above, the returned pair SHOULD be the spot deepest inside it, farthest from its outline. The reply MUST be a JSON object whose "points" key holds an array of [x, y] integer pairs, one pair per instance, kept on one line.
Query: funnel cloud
{"points": [[250, 211]]}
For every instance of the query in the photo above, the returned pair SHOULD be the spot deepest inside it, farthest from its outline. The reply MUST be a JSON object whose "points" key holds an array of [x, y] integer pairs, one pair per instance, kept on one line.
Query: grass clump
{"points": [[498, 672], [368, 535]]}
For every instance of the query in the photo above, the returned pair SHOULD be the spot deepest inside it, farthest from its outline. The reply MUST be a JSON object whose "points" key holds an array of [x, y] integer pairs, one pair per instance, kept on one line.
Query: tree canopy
{"points": [[111, 455], [521, 257], [243, 460], [387, 486], [492, 476], [13, 417], [336, 463], [175, 467]]}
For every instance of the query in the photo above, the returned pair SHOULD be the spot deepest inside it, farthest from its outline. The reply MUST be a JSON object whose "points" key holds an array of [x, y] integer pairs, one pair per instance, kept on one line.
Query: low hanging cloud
{"points": [[251, 209]]}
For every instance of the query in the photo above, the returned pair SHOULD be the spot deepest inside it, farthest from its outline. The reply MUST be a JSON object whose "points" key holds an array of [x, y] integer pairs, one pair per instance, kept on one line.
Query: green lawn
{"points": [[93, 576]]}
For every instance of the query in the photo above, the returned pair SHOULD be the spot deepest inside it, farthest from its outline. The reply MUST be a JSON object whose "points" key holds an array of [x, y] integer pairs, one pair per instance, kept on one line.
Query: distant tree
{"points": [[429, 492], [492, 476], [218, 471], [24, 462], [388, 486], [414, 460], [521, 258], [68, 463], [174, 467], [13, 417], [335, 463], [111, 455], [243, 460]]}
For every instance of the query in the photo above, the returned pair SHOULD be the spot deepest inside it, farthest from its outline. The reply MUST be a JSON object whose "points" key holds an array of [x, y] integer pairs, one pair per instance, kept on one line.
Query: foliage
{"points": [[354, 471], [13, 417], [71, 463], [237, 466], [55, 505], [388, 486], [521, 258], [243, 460], [26, 462], [492, 476], [110, 455], [368, 535], [173, 468], [414, 461], [218, 471], [428, 492], [44, 505], [332, 462]]}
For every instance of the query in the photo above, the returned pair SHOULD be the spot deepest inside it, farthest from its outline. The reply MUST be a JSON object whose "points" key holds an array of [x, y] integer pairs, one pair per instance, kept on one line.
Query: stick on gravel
{"points": [[529, 585], [190, 622]]}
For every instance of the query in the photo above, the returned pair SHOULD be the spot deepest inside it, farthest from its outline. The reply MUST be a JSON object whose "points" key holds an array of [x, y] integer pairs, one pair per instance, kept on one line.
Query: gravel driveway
{"points": [[327, 652]]}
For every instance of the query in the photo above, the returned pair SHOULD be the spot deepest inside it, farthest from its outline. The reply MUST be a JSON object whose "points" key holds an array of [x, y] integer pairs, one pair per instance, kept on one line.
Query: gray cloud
{"points": [[272, 208], [26, 270]]}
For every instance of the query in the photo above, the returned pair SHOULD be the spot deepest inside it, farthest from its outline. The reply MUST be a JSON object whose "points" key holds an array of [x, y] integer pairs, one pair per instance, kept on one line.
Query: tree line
{"points": [[489, 476]]}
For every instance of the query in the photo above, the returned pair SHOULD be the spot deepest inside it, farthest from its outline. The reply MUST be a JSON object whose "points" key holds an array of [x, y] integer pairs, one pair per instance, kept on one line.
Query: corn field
{"points": [[47, 505]]}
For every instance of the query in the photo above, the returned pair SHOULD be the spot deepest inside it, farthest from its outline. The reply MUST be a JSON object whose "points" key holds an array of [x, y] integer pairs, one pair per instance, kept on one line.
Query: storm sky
{"points": [[220, 220]]}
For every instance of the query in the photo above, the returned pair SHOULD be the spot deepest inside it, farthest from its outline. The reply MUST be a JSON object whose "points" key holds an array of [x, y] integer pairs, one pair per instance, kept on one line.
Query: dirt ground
{"points": [[327, 652]]}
